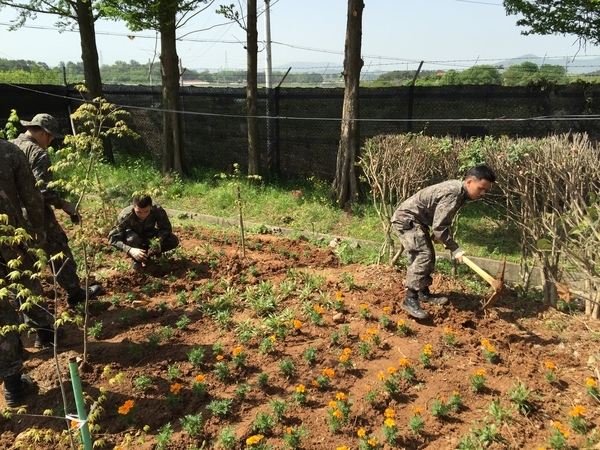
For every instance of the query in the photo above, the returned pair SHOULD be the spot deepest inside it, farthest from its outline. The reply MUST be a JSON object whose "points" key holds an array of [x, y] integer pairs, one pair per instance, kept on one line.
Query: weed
{"points": [[499, 413], [487, 434]]}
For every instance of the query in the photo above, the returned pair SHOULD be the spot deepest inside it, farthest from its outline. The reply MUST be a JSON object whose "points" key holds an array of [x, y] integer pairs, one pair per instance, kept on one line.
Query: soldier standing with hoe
{"points": [[433, 207]]}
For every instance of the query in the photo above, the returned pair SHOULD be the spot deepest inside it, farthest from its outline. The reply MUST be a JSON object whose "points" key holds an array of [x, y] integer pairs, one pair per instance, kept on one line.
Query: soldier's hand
{"points": [[458, 254], [154, 250], [138, 254]]}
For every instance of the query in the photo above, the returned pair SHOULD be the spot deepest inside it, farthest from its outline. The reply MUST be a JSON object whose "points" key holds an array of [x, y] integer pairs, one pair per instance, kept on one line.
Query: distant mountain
{"points": [[575, 65], [310, 67]]}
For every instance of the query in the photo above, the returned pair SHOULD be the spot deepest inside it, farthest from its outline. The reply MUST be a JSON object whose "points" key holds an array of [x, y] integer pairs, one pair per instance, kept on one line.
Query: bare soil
{"points": [[141, 335]]}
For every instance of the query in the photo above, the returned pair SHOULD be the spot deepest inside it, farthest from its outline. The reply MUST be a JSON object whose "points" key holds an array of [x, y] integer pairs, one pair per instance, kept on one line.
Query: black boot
{"points": [[77, 297], [411, 305], [16, 388], [434, 299], [45, 338]]}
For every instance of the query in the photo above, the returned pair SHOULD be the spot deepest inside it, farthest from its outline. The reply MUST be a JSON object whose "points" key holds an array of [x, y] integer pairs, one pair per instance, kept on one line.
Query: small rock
{"points": [[338, 317]]}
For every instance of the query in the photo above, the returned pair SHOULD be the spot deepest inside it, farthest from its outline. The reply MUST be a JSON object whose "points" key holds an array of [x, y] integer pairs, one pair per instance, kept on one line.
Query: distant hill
{"points": [[575, 65]]}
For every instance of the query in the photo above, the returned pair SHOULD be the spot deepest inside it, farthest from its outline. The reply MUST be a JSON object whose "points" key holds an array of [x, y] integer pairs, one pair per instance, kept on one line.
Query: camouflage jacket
{"points": [[156, 224], [39, 162], [17, 187], [434, 206]]}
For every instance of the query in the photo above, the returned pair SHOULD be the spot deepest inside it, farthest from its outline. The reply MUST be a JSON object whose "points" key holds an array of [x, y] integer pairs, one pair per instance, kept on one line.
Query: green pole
{"points": [[80, 403]]}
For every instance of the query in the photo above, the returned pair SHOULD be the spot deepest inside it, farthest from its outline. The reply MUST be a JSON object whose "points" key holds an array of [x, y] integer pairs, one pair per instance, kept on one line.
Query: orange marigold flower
{"points": [[480, 372], [339, 296], [372, 442], [578, 410], [300, 388], [315, 383], [219, 357], [418, 411], [449, 330], [200, 378], [341, 396], [368, 388], [347, 351], [361, 432], [175, 388], [389, 412], [364, 306], [126, 407], [381, 375], [328, 373], [404, 362], [392, 370], [550, 365], [338, 414], [297, 324], [485, 342], [389, 422], [365, 337], [386, 309], [427, 349], [254, 439], [332, 404], [318, 309], [289, 430], [236, 351], [74, 424], [372, 331], [590, 382], [343, 358]]}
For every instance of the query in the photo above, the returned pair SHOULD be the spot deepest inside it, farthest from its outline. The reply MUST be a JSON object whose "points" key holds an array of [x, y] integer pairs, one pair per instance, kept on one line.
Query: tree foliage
{"points": [[580, 18]]}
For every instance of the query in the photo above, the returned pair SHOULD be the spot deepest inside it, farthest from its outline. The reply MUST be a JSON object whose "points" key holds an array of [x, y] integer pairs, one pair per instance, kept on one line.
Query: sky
{"points": [[397, 35]]}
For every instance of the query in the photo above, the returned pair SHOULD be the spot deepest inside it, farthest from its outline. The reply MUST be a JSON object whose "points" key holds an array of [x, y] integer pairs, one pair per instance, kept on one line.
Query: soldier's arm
{"points": [[442, 221], [29, 194], [40, 166], [116, 236], [163, 224]]}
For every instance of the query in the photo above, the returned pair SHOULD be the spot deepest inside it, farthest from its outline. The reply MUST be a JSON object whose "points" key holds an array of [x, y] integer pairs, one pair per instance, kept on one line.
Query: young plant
{"points": [[477, 380], [287, 367], [126, 410], [172, 372], [242, 390], [577, 419], [416, 423], [222, 370], [239, 357], [402, 328], [142, 382], [498, 412], [455, 401], [425, 356], [219, 407], [489, 351], [165, 434], [390, 429], [173, 395], [521, 396], [591, 387], [371, 395], [192, 424], [310, 355], [199, 386], [263, 380], [385, 320], [95, 330], [267, 345], [440, 408], [227, 438], [345, 360], [407, 371], [279, 408], [365, 311], [293, 436], [367, 442], [263, 422], [196, 356], [450, 337], [183, 322], [390, 382], [299, 394], [558, 439], [324, 380], [550, 372]]}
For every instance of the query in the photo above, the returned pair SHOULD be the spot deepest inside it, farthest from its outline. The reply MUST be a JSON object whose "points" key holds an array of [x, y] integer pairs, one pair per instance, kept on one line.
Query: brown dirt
{"points": [[525, 334]]}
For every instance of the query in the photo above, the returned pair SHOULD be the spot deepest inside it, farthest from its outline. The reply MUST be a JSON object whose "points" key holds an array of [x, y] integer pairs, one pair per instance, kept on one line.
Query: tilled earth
{"points": [[207, 298]]}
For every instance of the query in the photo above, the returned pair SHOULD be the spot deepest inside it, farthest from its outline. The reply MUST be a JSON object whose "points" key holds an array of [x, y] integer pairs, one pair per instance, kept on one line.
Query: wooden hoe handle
{"points": [[482, 273]]}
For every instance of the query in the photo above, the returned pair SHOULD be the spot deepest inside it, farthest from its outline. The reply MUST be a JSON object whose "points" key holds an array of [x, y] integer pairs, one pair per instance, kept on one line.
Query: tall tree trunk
{"points": [[345, 185], [252, 90], [169, 63], [91, 65]]}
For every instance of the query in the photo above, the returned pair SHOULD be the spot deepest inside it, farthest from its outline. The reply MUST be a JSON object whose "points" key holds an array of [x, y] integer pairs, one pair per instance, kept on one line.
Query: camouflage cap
{"points": [[46, 122]]}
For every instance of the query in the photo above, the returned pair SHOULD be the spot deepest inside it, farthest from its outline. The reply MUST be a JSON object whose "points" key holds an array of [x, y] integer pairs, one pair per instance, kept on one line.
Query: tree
{"points": [[249, 26], [580, 18], [165, 16], [484, 74], [521, 74], [345, 185], [84, 14]]}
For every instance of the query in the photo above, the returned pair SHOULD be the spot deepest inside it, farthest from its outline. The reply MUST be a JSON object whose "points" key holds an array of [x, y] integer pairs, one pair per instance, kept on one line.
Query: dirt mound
{"points": [[207, 343]]}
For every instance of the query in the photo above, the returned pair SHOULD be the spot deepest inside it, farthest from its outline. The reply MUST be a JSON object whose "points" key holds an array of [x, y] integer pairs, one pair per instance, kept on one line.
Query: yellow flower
{"points": [[400, 323], [342, 447], [236, 351], [273, 338], [449, 330], [300, 388], [361, 432], [338, 414], [254, 439], [389, 412], [590, 382], [347, 351], [372, 331], [200, 378], [389, 422], [381, 375], [386, 309], [427, 349], [578, 410], [404, 362], [318, 309], [417, 411], [364, 306], [219, 357], [341, 396], [328, 373], [455, 393], [372, 442], [332, 404], [339, 296], [392, 370], [550, 365], [485, 342], [479, 372]]}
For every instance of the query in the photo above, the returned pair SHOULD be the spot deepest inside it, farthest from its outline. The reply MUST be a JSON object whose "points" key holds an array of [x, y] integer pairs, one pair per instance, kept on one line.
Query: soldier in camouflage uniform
{"points": [[41, 131], [137, 226], [433, 207], [17, 188]]}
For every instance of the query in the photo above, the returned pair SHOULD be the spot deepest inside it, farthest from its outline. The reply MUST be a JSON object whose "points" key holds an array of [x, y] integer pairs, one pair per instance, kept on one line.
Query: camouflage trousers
{"points": [[37, 315], [419, 252], [64, 269], [135, 240]]}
